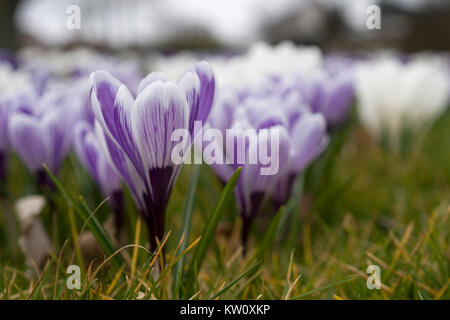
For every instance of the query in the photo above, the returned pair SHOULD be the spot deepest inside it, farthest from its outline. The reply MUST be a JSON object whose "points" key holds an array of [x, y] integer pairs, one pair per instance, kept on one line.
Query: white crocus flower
{"points": [[395, 96], [263, 60], [249, 69], [12, 82]]}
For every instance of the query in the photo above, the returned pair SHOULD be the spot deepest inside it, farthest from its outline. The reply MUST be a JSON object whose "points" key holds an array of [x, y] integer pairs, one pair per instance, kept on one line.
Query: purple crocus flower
{"points": [[136, 133], [90, 153], [15, 87], [329, 94], [308, 140], [301, 138], [41, 131]]}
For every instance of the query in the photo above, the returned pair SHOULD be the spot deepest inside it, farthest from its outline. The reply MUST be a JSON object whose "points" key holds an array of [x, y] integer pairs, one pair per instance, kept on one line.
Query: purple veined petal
{"points": [[111, 103], [26, 137], [190, 84], [150, 78], [309, 139], [159, 110], [107, 178], [206, 94], [92, 156], [87, 147], [257, 178], [122, 165]]}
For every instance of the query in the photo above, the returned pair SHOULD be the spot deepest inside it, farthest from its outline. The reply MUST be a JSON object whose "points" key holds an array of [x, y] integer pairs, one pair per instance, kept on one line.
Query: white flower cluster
{"points": [[394, 96]]}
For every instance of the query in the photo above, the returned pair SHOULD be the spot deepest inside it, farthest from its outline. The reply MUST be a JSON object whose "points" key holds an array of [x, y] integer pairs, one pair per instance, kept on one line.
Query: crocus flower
{"points": [[330, 94], [41, 131], [14, 87], [262, 61], [137, 132], [394, 96], [301, 138], [250, 69], [91, 154]]}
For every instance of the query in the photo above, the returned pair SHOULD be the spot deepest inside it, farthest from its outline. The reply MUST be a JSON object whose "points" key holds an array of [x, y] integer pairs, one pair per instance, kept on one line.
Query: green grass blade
{"points": [[210, 229], [250, 270], [328, 286], [186, 226], [93, 224]]}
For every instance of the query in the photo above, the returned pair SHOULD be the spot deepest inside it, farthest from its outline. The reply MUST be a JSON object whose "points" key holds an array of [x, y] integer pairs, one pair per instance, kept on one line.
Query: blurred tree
{"points": [[8, 34]]}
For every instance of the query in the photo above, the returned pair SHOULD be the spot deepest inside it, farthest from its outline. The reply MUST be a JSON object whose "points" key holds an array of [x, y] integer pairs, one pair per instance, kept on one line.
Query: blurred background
{"points": [[172, 25]]}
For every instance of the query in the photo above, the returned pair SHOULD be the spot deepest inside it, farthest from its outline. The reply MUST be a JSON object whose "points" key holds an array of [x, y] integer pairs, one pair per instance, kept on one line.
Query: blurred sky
{"points": [[214, 23]]}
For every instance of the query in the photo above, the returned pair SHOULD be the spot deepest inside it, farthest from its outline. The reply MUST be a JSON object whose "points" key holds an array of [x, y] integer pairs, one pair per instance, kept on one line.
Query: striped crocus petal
{"points": [[158, 111], [86, 147], [150, 78], [200, 87], [90, 152], [111, 104], [122, 165]]}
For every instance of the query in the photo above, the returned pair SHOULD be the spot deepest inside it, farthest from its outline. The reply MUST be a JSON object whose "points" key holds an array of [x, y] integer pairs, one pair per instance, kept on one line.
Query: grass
{"points": [[369, 207]]}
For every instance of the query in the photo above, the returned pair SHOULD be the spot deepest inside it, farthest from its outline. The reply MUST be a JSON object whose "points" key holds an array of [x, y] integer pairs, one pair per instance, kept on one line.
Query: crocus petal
{"points": [[335, 98], [222, 114], [57, 134], [111, 103], [150, 78], [201, 107], [26, 138], [190, 84], [86, 147], [107, 178], [254, 180], [122, 165], [309, 140], [159, 110]]}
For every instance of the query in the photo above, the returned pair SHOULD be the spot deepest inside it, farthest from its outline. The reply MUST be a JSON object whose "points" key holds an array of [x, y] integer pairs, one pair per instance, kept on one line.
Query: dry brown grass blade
{"points": [[58, 263], [400, 274], [39, 281], [291, 287], [137, 236], [115, 280]]}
